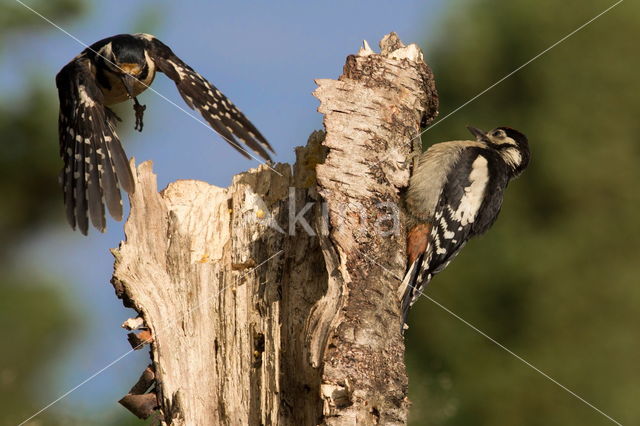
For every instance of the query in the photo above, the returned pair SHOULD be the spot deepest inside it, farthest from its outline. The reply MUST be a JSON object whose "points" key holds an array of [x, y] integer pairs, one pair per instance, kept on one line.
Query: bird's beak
{"points": [[479, 134], [129, 82]]}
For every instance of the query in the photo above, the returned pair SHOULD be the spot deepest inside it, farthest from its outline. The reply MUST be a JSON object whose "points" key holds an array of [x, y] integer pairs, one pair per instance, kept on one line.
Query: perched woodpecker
{"points": [[115, 70], [455, 193]]}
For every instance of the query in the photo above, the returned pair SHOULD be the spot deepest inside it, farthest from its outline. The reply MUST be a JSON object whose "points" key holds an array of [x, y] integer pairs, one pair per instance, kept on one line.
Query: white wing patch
{"points": [[180, 70], [473, 194], [85, 99]]}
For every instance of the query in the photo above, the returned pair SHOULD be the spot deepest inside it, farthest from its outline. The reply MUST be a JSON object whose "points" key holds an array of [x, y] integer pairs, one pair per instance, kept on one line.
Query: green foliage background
{"points": [[556, 279]]}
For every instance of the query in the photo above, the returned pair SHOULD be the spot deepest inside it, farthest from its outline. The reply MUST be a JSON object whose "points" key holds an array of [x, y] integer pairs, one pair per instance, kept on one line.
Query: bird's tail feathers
{"points": [[410, 286]]}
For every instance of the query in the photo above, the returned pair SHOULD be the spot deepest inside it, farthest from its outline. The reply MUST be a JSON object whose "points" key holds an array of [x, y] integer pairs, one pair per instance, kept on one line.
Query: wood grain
{"points": [[260, 317]]}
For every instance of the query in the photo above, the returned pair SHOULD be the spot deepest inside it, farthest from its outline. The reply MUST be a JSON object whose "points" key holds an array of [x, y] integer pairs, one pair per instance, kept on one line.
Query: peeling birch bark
{"points": [[273, 301]]}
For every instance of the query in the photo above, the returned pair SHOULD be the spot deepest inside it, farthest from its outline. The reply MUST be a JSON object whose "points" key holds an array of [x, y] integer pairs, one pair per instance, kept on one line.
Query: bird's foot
{"points": [[139, 109]]}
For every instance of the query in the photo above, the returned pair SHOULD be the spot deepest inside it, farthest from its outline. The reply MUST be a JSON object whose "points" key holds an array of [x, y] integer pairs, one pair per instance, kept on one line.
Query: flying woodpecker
{"points": [[115, 70], [454, 194]]}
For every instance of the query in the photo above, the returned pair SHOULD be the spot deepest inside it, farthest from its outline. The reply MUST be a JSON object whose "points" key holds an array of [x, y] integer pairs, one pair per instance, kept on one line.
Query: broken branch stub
{"points": [[273, 301]]}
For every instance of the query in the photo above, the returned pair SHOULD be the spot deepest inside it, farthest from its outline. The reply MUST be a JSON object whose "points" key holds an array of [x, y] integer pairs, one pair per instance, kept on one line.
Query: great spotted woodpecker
{"points": [[111, 71], [454, 194]]}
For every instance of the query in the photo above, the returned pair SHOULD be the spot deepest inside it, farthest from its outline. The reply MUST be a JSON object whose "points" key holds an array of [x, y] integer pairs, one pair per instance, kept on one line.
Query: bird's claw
{"points": [[139, 109]]}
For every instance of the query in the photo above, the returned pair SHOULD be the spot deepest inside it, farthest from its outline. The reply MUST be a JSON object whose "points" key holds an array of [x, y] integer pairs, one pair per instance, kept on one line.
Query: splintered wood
{"points": [[273, 301]]}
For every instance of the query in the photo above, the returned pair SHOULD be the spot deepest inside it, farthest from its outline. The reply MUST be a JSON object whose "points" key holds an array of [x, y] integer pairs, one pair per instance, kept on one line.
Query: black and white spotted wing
{"points": [[95, 165], [223, 116], [468, 205]]}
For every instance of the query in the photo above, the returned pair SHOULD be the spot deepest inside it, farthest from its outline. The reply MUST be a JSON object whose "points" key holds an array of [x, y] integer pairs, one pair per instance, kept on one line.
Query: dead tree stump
{"points": [[274, 301]]}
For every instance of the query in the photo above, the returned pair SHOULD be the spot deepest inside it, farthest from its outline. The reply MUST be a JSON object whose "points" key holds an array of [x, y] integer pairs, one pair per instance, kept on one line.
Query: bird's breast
{"points": [[115, 92]]}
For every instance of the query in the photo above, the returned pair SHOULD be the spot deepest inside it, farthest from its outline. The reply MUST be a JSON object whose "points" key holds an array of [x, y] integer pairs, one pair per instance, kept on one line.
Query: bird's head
{"points": [[512, 145], [125, 56]]}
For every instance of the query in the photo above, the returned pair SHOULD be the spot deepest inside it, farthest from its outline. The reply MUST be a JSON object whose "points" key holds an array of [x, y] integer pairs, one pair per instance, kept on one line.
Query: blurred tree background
{"points": [[556, 279], [39, 320], [37, 323]]}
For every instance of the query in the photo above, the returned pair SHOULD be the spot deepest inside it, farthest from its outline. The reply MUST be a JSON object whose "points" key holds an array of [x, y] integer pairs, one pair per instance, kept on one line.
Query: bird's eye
{"points": [[499, 134]]}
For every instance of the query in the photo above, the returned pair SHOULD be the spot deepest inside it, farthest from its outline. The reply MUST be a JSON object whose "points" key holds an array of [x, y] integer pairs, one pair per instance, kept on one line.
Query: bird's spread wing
{"points": [[95, 165], [223, 116]]}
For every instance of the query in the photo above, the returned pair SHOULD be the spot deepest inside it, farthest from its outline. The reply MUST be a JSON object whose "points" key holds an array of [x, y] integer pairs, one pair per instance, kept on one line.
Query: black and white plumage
{"points": [[454, 194], [115, 70]]}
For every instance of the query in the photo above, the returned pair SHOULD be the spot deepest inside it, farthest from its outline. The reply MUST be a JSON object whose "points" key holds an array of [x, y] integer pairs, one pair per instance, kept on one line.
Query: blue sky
{"points": [[263, 55]]}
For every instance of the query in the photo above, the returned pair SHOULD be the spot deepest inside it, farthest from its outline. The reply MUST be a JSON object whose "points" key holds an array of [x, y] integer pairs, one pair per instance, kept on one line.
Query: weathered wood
{"points": [[267, 301], [372, 113]]}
